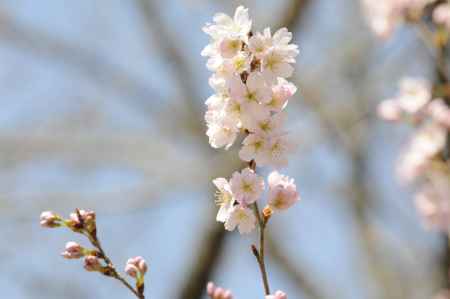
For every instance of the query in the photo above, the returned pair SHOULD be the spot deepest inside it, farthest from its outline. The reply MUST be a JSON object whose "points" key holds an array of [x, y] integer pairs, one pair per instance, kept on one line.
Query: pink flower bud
{"points": [[131, 270], [441, 14], [227, 295], [92, 263], [282, 191], [277, 295], [210, 287], [217, 292], [87, 218], [389, 110], [136, 265], [440, 112], [50, 219], [73, 251]]}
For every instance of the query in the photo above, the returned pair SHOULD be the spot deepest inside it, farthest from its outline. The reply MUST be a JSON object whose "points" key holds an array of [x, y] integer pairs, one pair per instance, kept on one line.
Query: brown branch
{"points": [[114, 273], [203, 266], [259, 254], [293, 14]]}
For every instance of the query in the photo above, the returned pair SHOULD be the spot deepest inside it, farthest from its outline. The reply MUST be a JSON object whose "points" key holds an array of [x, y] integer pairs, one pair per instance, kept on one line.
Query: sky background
{"points": [[101, 108]]}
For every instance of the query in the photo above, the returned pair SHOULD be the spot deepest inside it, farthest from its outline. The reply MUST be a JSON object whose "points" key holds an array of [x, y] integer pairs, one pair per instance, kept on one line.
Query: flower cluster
{"points": [[251, 90], [423, 158], [95, 260], [250, 71], [385, 15]]}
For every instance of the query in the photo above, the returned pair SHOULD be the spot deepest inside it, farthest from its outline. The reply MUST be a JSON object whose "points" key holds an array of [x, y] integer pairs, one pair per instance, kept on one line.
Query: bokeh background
{"points": [[102, 108]]}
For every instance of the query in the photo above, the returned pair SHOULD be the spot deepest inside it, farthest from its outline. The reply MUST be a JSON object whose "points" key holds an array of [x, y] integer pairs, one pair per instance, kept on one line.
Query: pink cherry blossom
{"points": [[225, 199], [433, 201], [282, 191], [246, 186], [229, 47], [276, 150], [439, 112], [281, 92], [242, 218], [252, 149]]}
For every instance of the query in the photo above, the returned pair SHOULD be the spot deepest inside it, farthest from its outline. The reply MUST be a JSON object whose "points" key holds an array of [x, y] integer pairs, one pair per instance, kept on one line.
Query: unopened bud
{"points": [[50, 219], [92, 263], [215, 292], [389, 110], [135, 266], [210, 287], [277, 295], [82, 219], [218, 293], [227, 295], [73, 251], [267, 213]]}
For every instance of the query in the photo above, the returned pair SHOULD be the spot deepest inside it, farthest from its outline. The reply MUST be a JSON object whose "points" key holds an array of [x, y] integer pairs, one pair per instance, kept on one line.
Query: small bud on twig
{"points": [[267, 213], [50, 219], [92, 263], [73, 251]]}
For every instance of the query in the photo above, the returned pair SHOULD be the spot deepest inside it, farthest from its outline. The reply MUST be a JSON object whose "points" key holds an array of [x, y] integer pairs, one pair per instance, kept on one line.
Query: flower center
{"points": [[222, 198], [247, 188]]}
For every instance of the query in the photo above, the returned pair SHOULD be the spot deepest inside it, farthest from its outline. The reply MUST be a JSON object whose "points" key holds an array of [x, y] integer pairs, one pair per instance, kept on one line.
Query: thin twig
{"points": [[259, 254], [112, 272]]}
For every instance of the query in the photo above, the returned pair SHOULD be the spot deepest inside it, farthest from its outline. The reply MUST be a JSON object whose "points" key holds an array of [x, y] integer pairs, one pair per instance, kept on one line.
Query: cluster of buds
{"points": [[215, 292], [424, 158], [250, 71], [95, 260], [137, 267], [385, 15]]}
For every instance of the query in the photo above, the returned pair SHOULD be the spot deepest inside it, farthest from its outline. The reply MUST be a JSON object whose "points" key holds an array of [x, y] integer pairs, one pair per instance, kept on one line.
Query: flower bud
{"points": [[267, 213], [73, 251], [210, 287], [217, 292], [92, 263], [277, 295], [82, 219], [50, 219], [136, 266], [389, 110]]}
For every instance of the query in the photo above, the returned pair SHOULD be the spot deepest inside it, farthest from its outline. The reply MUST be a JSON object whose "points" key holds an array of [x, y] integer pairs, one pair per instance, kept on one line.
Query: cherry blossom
{"points": [[225, 199], [282, 191], [241, 217], [246, 186]]}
